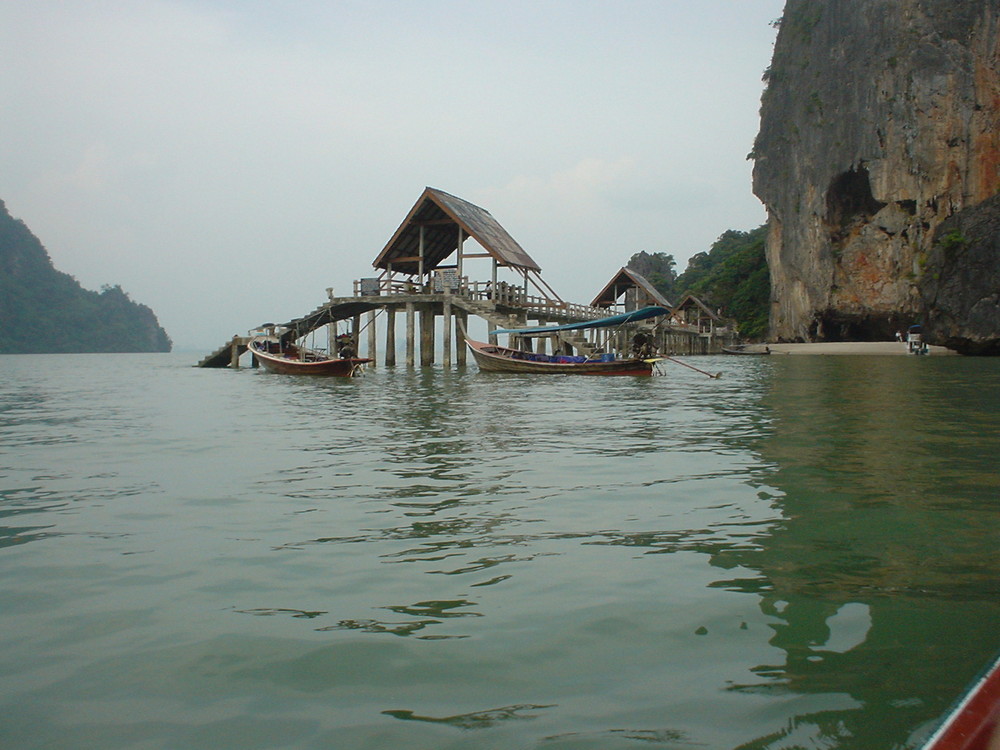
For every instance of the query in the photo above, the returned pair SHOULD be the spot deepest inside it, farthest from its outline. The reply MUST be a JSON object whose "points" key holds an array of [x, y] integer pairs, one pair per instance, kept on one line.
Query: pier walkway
{"points": [[414, 282]]}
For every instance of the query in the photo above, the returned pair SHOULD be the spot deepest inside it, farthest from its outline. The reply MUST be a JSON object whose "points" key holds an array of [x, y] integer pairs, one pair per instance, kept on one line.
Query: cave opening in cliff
{"points": [[848, 199], [835, 325]]}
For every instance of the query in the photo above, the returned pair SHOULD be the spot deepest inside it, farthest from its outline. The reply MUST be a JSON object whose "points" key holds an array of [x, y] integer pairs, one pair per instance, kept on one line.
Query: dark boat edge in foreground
{"points": [[974, 720]]}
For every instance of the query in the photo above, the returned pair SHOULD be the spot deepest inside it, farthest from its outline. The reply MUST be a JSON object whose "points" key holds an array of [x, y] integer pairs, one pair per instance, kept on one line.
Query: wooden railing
{"points": [[503, 293], [699, 329], [510, 295]]}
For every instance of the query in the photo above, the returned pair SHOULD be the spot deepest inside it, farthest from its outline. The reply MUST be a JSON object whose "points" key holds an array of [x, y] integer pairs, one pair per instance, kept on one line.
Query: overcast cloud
{"points": [[225, 162]]}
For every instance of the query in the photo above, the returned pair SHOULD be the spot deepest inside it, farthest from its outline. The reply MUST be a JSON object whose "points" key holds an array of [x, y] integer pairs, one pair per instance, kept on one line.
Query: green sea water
{"points": [[802, 553]]}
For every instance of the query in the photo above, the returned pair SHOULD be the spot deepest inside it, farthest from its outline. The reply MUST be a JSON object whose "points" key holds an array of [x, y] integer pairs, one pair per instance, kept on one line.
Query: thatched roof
{"points": [[627, 279], [441, 215]]}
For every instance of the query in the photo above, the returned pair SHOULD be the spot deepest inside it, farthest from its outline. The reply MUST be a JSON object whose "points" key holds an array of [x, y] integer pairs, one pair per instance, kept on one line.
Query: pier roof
{"points": [[627, 279], [442, 215]]}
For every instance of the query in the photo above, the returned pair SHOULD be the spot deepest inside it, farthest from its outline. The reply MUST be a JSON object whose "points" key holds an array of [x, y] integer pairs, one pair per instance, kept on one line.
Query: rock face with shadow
{"points": [[880, 122], [960, 290]]}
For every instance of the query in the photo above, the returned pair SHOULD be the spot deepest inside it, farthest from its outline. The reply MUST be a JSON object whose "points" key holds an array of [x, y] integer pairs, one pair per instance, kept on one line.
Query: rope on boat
{"points": [[716, 376]]}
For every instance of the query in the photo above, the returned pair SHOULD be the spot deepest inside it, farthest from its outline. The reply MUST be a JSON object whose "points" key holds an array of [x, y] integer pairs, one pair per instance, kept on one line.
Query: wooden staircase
{"points": [[577, 341], [227, 355]]}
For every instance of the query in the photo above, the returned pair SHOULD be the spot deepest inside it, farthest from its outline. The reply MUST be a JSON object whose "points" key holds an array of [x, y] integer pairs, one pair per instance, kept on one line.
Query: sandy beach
{"points": [[871, 348]]}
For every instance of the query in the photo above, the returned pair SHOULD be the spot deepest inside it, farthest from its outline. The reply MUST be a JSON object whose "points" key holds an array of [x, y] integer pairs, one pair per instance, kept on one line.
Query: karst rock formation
{"points": [[878, 159]]}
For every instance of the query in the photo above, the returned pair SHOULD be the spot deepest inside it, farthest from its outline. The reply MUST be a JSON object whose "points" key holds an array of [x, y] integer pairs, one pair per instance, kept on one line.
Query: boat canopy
{"points": [[615, 320]]}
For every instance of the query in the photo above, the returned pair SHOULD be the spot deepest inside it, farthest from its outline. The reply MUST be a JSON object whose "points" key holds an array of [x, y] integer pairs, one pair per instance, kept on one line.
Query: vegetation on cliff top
{"points": [[45, 310], [732, 277]]}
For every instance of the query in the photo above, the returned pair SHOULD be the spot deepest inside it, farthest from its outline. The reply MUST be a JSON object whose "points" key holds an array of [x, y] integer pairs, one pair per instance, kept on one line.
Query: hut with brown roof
{"points": [[435, 229], [694, 328], [627, 291]]}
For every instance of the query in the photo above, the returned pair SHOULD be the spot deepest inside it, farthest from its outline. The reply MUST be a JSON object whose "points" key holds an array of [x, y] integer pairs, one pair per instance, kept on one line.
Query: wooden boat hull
{"points": [[742, 350], [312, 365], [491, 358]]}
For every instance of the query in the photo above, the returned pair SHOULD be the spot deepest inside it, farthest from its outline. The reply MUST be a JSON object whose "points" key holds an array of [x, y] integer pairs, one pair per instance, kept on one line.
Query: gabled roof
{"points": [[441, 215], [691, 301], [626, 279]]}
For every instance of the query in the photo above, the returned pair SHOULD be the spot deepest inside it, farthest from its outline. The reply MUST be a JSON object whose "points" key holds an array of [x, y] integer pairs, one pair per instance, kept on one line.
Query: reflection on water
{"points": [[889, 532], [802, 553], [475, 720]]}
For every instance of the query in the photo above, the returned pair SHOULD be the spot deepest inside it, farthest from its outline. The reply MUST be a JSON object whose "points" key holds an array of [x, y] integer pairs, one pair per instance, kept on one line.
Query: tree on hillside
{"points": [[733, 276]]}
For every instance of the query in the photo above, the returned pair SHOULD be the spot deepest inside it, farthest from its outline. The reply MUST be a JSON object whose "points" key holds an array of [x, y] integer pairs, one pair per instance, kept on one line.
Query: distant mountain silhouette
{"points": [[45, 310]]}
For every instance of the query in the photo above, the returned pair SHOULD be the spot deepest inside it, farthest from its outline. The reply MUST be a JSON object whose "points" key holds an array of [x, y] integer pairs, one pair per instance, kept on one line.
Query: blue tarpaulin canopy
{"points": [[614, 320]]}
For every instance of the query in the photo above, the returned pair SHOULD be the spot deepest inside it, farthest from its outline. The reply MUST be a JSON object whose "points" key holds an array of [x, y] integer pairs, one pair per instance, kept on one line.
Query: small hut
{"points": [[693, 314], [628, 291], [694, 328]]}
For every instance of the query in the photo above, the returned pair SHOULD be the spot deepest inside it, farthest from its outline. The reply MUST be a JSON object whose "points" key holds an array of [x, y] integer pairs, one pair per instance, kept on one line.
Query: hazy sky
{"points": [[225, 162]]}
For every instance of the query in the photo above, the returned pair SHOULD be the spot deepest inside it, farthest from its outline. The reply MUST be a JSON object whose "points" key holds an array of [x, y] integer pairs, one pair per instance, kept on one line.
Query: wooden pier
{"points": [[371, 319], [414, 283]]}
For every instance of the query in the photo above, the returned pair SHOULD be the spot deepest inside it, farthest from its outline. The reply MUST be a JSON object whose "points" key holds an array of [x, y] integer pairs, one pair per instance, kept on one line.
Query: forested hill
{"points": [[732, 277], [45, 310]]}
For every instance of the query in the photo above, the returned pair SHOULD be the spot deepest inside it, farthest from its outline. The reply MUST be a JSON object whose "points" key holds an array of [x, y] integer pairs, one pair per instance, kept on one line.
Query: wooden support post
{"points": [[524, 343], [372, 339], [446, 334], [461, 324], [410, 311], [426, 335], [420, 250], [356, 335], [234, 353], [390, 335]]}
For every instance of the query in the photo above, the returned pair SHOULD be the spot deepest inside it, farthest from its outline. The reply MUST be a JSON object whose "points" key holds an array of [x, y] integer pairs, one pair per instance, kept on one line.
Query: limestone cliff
{"points": [[960, 288], [881, 119]]}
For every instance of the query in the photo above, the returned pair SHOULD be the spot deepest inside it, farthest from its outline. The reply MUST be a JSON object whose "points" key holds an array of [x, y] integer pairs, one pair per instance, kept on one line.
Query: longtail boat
{"points": [[289, 359], [493, 358]]}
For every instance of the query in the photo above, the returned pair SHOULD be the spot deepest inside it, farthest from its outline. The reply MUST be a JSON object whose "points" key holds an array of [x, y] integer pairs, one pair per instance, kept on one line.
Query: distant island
{"points": [[43, 310]]}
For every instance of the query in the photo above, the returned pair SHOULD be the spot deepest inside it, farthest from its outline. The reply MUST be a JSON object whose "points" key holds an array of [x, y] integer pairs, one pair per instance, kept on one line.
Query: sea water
{"points": [[801, 553]]}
